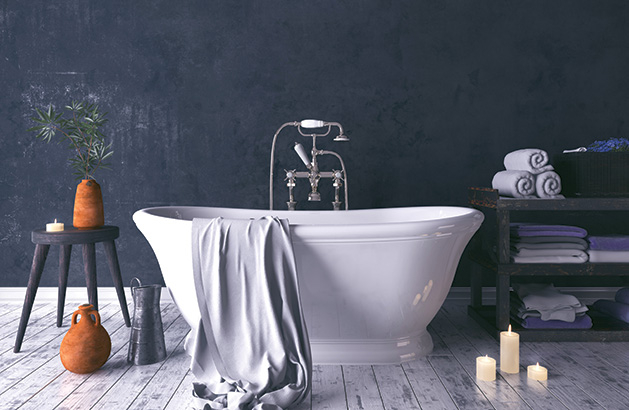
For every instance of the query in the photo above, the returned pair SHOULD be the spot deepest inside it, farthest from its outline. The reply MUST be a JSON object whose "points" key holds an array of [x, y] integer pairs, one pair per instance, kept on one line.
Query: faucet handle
{"points": [[338, 177], [290, 177]]}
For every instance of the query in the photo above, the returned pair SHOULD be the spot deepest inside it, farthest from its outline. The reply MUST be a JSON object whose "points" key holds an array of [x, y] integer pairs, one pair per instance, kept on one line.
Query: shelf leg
{"points": [[476, 286], [502, 301]]}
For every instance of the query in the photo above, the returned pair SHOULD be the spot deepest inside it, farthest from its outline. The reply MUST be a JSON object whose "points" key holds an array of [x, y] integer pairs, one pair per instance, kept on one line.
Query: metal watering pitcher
{"points": [[146, 342]]}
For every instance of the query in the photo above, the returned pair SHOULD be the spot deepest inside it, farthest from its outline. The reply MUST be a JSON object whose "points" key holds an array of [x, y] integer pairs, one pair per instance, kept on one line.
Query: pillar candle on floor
{"points": [[485, 368], [537, 372], [509, 351]]}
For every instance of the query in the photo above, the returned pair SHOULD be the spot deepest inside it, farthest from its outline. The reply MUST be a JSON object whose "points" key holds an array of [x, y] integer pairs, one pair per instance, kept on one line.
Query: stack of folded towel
{"points": [[542, 306], [617, 308], [528, 175], [534, 243], [609, 248]]}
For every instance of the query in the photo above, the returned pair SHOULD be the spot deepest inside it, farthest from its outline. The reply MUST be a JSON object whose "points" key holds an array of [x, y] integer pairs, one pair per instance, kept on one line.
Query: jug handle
{"points": [[89, 313], [133, 287]]}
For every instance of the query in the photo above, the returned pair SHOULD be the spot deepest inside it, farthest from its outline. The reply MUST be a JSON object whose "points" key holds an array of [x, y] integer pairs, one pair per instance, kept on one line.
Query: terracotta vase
{"points": [[86, 346], [88, 205]]}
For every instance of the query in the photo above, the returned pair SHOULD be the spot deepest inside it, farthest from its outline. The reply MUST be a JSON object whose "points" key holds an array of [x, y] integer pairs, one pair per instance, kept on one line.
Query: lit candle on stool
{"points": [[54, 227], [485, 368], [509, 351], [537, 372]]}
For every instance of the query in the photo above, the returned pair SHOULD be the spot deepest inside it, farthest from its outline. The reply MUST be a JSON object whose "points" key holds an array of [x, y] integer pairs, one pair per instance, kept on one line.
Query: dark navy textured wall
{"points": [[432, 93]]}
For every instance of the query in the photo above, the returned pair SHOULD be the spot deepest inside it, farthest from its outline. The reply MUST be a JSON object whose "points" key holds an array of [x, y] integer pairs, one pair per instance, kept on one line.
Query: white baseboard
{"points": [[79, 294]]}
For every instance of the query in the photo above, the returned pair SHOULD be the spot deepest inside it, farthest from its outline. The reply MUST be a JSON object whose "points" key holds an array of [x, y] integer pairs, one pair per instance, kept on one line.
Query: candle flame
{"points": [[486, 356], [537, 366], [509, 331], [55, 220]]}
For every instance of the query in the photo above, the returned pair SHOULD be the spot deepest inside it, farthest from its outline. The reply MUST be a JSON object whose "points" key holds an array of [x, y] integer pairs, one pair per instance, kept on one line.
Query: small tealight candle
{"points": [[537, 372], [54, 227], [509, 351], [485, 368]]}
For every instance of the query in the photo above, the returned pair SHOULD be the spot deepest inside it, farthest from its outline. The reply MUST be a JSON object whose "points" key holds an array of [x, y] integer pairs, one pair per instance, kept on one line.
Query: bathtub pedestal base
{"points": [[393, 351]]}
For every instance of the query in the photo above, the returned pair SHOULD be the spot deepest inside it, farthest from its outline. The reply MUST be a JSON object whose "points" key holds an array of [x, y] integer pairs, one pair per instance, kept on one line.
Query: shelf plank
{"points": [[489, 198], [604, 328], [550, 269]]}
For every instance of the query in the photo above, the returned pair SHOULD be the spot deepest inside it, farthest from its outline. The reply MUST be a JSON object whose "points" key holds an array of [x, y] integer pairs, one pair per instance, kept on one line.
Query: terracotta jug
{"points": [[86, 346], [88, 205]]}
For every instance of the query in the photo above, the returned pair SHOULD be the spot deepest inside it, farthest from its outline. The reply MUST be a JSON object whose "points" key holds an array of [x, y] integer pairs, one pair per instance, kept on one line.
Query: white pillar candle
{"points": [[509, 351], [537, 372], [485, 368], [54, 226]]}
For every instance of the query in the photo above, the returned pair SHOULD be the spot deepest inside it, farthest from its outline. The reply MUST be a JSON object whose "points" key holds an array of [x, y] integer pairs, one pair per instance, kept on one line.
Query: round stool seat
{"points": [[73, 236]]}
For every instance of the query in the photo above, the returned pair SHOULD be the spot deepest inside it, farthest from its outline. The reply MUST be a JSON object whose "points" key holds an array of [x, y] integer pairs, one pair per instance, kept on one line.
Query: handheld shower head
{"points": [[341, 137]]}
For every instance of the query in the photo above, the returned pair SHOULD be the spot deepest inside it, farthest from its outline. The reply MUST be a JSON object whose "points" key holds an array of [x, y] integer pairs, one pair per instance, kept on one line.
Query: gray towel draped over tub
{"points": [[251, 348]]}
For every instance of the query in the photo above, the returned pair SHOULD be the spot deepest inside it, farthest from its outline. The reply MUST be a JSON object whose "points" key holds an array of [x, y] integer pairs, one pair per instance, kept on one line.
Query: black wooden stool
{"points": [[72, 236]]}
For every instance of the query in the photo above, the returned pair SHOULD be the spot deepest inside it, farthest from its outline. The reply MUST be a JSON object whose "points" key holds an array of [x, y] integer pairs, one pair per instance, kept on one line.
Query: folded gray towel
{"points": [[582, 257], [563, 313], [524, 252], [517, 246], [549, 239]]}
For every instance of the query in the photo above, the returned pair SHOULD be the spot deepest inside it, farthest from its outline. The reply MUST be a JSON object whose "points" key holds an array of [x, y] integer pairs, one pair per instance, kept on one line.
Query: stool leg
{"points": [[64, 267], [89, 265], [39, 259], [114, 268]]}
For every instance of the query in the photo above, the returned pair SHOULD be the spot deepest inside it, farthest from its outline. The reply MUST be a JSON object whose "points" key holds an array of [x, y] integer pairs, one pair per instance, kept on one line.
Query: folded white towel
{"points": [[581, 257], [532, 160], [548, 185], [517, 184], [519, 246], [608, 256]]}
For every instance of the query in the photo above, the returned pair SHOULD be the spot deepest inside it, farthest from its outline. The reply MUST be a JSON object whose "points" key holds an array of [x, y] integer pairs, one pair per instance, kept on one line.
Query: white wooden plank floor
{"points": [[581, 375]]}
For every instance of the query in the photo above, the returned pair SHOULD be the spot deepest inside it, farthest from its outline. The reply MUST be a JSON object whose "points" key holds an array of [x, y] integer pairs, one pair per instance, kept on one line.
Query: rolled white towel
{"points": [[532, 160], [517, 184], [548, 185]]}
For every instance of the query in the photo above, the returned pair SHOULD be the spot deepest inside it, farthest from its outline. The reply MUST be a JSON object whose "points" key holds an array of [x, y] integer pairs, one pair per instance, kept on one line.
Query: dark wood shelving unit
{"points": [[494, 234]]}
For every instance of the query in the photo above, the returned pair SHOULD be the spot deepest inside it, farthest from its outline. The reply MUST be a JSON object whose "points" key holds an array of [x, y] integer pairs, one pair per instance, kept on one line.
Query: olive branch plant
{"points": [[82, 130]]}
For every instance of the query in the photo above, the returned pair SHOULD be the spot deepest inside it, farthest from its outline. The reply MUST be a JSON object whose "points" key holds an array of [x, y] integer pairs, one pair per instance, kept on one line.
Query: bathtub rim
{"points": [[466, 219]]}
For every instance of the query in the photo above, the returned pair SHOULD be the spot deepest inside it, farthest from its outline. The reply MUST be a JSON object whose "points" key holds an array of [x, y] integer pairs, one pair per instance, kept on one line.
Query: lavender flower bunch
{"points": [[609, 145]]}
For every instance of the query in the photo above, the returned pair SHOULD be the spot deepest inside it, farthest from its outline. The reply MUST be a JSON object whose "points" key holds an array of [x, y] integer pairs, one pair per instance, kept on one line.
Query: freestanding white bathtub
{"points": [[370, 280]]}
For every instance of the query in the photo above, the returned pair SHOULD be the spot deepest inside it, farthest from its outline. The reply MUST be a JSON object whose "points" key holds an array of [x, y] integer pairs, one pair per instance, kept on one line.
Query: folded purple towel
{"points": [[614, 309], [581, 322], [609, 242], [622, 296], [529, 229]]}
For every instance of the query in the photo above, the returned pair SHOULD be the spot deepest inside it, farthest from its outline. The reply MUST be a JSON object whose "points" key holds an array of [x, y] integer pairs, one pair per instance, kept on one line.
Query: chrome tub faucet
{"points": [[314, 175]]}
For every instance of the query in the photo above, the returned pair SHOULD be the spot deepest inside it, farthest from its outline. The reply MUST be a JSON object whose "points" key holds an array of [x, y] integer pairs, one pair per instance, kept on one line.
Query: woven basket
{"points": [[593, 174]]}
